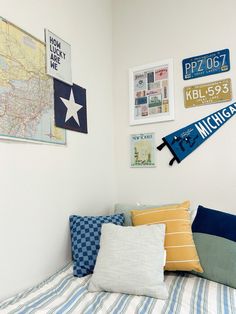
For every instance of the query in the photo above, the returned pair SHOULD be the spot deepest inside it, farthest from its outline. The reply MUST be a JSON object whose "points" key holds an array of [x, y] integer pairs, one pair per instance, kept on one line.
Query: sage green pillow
{"points": [[218, 258]]}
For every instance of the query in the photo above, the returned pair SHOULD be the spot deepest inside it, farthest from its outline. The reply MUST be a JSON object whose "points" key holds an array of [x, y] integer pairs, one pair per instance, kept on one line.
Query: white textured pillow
{"points": [[130, 260]]}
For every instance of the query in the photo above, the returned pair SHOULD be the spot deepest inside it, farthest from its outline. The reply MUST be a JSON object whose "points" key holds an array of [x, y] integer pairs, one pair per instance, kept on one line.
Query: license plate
{"points": [[214, 92], [208, 64]]}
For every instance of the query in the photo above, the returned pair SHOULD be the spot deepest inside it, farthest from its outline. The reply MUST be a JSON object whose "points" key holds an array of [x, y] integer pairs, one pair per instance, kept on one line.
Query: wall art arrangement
{"points": [[69, 99], [209, 93], [27, 89], [151, 93], [183, 142], [142, 150], [144, 83]]}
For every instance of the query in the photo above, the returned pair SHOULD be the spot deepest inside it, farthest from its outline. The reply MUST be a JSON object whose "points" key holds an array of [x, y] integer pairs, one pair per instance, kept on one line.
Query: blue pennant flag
{"points": [[184, 141], [70, 107]]}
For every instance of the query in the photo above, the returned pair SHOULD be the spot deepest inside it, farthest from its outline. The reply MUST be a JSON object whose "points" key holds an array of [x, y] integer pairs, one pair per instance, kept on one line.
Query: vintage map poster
{"points": [[26, 92], [142, 150]]}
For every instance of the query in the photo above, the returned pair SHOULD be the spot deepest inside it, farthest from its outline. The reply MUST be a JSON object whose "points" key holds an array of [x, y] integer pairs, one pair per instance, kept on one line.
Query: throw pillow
{"points": [[130, 260], [125, 209], [214, 233], [179, 244], [85, 237]]}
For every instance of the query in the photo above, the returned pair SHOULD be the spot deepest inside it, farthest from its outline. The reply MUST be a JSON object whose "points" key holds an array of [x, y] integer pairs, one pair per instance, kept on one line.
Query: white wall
{"points": [[146, 31], [41, 185]]}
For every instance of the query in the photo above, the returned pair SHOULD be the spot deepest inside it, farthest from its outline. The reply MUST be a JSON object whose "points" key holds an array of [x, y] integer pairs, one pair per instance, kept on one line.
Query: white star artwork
{"points": [[72, 107]]}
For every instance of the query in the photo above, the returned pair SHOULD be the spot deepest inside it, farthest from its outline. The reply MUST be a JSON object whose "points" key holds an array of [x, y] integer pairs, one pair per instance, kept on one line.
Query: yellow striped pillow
{"points": [[179, 244]]}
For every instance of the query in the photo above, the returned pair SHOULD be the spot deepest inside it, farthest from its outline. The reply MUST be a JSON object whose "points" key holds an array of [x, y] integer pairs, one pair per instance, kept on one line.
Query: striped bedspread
{"points": [[63, 293]]}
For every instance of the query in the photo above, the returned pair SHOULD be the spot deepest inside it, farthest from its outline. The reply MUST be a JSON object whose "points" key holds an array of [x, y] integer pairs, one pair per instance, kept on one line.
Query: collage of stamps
{"points": [[151, 92]]}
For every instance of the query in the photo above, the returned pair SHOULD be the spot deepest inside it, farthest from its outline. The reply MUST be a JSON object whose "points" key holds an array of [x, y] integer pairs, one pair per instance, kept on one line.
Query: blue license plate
{"points": [[208, 64]]}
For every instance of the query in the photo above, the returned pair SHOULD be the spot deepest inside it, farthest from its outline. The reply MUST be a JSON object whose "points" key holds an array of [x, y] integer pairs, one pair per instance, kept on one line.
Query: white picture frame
{"points": [[151, 93]]}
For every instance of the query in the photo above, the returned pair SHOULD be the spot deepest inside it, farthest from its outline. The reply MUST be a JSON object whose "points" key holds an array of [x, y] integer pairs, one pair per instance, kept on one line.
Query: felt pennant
{"points": [[183, 142]]}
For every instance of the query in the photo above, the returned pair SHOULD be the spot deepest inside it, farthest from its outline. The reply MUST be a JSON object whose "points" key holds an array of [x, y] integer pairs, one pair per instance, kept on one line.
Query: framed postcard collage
{"points": [[151, 93]]}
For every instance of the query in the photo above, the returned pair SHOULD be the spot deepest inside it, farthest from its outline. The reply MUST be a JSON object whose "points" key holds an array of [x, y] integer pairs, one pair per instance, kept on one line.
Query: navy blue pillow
{"points": [[214, 222], [85, 239]]}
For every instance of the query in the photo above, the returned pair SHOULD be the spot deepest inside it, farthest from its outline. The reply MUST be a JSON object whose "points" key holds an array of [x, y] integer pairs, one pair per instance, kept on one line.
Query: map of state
{"points": [[26, 91]]}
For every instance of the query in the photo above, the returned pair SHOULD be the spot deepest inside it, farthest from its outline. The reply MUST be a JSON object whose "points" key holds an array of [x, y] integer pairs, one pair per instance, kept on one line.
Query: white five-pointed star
{"points": [[72, 107]]}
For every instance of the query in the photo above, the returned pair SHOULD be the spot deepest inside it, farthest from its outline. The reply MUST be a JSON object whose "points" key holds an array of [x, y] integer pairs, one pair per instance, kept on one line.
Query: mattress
{"points": [[64, 293]]}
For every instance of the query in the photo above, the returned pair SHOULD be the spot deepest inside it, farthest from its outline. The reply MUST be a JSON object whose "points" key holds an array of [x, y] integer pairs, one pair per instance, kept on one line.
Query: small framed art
{"points": [[142, 150], [151, 93]]}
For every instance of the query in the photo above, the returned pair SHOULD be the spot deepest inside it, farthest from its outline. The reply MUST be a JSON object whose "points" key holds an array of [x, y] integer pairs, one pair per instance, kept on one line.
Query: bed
{"points": [[64, 293], [110, 257]]}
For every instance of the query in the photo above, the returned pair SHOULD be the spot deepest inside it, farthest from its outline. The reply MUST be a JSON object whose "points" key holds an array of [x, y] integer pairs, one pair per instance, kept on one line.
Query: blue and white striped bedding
{"points": [[63, 293]]}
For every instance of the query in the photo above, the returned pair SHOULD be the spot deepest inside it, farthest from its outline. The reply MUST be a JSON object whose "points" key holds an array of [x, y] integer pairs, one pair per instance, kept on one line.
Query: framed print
{"points": [[151, 93], [58, 56], [142, 150]]}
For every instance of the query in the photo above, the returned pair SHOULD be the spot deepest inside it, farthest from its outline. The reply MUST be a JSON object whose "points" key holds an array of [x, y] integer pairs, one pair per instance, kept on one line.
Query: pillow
{"points": [[179, 245], [133, 266], [125, 209], [214, 233], [85, 237]]}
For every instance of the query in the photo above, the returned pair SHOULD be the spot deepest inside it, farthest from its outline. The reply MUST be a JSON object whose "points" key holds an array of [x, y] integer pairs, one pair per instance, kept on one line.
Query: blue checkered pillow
{"points": [[85, 239]]}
